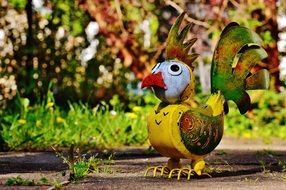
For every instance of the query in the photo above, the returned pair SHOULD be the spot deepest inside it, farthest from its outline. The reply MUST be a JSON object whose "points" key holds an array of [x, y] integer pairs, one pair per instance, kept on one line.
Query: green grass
{"points": [[44, 125], [20, 181], [266, 120], [80, 166]]}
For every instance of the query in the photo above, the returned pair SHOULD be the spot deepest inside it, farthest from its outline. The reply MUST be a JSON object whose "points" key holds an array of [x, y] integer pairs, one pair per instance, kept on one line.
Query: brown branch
{"points": [[119, 12], [223, 7], [188, 18], [236, 4]]}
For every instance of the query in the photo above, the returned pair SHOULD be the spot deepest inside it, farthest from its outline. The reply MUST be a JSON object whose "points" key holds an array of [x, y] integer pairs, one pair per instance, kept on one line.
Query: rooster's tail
{"points": [[233, 66]]}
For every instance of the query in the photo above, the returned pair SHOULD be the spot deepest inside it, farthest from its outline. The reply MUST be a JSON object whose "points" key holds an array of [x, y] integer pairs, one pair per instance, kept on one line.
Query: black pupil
{"points": [[175, 68]]}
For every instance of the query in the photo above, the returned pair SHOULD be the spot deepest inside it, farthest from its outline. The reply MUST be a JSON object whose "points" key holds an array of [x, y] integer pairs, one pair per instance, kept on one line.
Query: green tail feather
{"points": [[237, 52], [259, 80]]}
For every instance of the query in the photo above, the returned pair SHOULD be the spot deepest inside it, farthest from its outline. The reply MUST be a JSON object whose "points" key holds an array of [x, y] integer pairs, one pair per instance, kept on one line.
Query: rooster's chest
{"points": [[164, 131]]}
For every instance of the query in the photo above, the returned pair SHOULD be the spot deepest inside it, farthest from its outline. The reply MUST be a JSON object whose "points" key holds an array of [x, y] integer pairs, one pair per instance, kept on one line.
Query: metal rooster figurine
{"points": [[176, 130]]}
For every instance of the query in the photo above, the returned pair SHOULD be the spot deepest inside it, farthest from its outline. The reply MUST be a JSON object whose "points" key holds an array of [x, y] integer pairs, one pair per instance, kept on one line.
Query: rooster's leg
{"points": [[174, 163]]}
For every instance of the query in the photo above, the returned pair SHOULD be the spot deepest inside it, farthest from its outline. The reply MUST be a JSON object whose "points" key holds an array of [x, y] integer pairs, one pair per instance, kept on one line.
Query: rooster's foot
{"points": [[162, 169], [184, 172]]}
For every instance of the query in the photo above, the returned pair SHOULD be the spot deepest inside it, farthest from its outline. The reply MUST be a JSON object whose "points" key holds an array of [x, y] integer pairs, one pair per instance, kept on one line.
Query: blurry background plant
{"points": [[87, 57], [93, 49], [8, 89], [96, 51]]}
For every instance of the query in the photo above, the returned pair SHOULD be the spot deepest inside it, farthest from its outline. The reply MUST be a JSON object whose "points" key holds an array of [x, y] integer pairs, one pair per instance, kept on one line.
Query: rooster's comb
{"points": [[176, 48]]}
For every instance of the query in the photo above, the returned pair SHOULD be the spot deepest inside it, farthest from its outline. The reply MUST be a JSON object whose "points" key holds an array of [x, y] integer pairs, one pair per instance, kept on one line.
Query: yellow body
{"points": [[164, 131]]}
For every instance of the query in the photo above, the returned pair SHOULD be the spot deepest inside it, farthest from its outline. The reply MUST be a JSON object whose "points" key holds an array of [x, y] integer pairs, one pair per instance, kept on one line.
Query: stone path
{"points": [[235, 164]]}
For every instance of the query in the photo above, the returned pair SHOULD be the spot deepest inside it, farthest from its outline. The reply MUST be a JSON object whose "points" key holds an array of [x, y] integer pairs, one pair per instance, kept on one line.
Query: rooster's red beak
{"points": [[154, 80]]}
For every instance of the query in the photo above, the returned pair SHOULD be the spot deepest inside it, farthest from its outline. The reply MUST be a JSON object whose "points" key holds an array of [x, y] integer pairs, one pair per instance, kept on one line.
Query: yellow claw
{"points": [[164, 169], [147, 170], [181, 172], [172, 171], [198, 166], [190, 173], [161, 169]]}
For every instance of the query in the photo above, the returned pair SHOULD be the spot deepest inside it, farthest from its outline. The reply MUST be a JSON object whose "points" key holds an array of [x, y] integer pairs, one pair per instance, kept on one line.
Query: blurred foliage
{"points": [[236, 11], [93, 49], [130, 29], [59, 46], [18, 4], [266, 120], [53, 54]]}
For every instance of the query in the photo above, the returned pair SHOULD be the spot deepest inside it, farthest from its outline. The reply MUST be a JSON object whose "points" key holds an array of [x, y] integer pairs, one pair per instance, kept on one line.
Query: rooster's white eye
{"points": [[175, 69], [155, 68]]}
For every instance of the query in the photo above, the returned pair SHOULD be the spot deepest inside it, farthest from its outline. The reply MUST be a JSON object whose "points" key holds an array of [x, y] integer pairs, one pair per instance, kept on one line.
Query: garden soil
{"points": [[235, 164]]}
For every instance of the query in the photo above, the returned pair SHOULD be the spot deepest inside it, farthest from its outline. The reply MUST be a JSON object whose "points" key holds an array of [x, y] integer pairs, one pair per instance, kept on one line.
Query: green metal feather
{"points": [[237, 52], [200, 133], [259, 80]]}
